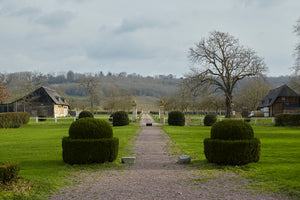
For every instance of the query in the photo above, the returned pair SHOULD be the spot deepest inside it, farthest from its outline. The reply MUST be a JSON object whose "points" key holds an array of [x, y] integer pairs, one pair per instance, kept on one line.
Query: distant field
{"points": [[278, 169], [146, 103], [38, 149]]}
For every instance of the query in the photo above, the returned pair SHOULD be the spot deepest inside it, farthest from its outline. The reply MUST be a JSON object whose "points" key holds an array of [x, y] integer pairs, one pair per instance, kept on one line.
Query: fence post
{"points": [[55, 120], [255, 120], [74, 119], [36, 120], [272, 120]]}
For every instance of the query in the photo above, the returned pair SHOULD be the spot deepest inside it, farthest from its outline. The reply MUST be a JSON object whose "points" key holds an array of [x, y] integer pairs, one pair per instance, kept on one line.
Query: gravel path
{"points": [[156, 175]]}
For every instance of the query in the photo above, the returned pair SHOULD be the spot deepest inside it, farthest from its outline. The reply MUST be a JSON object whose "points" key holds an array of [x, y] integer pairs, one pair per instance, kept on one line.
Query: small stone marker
{"points": [[148, 124], [128, 160], [184, 159]]}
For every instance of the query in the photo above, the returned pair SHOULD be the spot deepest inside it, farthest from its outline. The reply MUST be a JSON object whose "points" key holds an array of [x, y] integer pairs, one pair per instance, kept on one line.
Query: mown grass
{"points": [[278, 169], [38, 149]]}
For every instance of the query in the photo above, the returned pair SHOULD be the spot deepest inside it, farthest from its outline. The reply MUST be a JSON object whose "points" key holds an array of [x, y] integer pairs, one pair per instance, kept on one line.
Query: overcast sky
{"points": [[137, 36]]}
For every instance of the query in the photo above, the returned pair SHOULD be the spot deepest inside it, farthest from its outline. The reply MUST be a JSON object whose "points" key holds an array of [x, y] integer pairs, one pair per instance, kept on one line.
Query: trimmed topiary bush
{"points": [[176, 118], [90, 128], [84, 151], [287, 120], [90, 141], [232, 152], [232, 142], [210, 119], [8, 171], [13, 119], [232, 130], [120, 118], [84, 114]]}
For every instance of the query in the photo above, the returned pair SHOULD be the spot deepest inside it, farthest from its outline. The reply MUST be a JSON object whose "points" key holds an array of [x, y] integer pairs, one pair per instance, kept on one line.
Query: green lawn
{"points": [[278, 169], [38, 149]]}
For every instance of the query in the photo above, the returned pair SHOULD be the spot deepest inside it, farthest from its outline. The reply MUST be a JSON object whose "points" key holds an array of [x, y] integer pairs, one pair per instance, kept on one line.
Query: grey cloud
{"points": [[118, 49], [56, 19], [132, 25]]}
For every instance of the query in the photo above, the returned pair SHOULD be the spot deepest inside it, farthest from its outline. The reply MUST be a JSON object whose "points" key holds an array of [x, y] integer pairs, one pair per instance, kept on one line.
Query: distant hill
{"points": [[146, 90]]}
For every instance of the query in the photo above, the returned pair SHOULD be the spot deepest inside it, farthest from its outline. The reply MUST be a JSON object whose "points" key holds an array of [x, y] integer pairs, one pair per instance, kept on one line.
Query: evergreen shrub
{"points": [[13, 119], [176, 118], [84, 114], [287, 120], [84, 151], [210, 119], [232, 142], [90, 141], [8, 171], [232, 130], [90, 128], [120, 118]]}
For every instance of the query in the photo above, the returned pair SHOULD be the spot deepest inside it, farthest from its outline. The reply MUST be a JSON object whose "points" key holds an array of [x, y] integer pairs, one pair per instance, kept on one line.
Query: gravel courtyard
{"points": [[156, 175]]}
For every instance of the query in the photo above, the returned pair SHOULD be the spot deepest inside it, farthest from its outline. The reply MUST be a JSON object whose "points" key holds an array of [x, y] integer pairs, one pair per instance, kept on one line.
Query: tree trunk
{"points": [[229, 106]]}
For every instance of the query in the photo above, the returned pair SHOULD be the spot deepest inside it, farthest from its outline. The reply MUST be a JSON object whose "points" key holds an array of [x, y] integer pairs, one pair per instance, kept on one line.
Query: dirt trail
{"points": [[156, 175]]}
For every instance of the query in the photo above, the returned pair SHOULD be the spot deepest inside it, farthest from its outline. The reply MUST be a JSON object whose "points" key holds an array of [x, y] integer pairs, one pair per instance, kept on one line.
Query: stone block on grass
{"points": [[128, 160], [184, 159]]}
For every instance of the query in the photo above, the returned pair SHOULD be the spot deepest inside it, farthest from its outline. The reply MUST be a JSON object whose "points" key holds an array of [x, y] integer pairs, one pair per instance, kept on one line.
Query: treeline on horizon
{"points": [[112, 85]]}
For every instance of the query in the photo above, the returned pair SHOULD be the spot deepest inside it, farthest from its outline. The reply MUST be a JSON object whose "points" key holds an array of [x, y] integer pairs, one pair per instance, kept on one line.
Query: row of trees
{"points": [[249, 94]]}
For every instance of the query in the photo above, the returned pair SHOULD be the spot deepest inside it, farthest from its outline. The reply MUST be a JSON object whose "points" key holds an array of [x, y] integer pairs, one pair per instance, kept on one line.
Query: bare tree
{"points": [[91, 85], [297, 49], [295, 78], [223, 62], [251, 93]]}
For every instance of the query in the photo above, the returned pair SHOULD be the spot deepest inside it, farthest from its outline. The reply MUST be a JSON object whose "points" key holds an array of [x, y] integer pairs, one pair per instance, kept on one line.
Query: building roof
{"points": [[56, 98], [282, 91]]}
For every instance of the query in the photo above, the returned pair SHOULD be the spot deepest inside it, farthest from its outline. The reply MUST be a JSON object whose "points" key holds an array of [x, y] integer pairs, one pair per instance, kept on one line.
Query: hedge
{"points": [[120, 118], [84, 151], [234, 152], [85, 113], [287, 120], [8, 171], [13, 119], [90, 128], [232, 130], [176, 118], [210, 119]]}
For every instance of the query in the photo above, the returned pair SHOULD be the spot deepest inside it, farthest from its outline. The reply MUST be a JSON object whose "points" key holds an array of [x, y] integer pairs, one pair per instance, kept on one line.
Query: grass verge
{"points": [[38, 149], [278, 169]]}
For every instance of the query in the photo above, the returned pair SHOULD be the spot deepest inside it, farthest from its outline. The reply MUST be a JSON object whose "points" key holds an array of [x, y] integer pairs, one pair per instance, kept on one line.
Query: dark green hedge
{"points": [[84, 151], [9, 170], [90, 128], [232, 130], [13, 119], [287, 120], [85, 113], [120, 118], [232, 152], [176, 118], [210, 119]]}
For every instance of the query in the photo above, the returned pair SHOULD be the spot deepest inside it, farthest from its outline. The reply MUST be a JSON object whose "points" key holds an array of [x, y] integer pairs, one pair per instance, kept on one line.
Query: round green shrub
{"points": [[232, 143], [176, 118], [232, 130], [84, 114], [232, 152], [8, 171], [210, 119], [90, 128], [120, 118]]}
